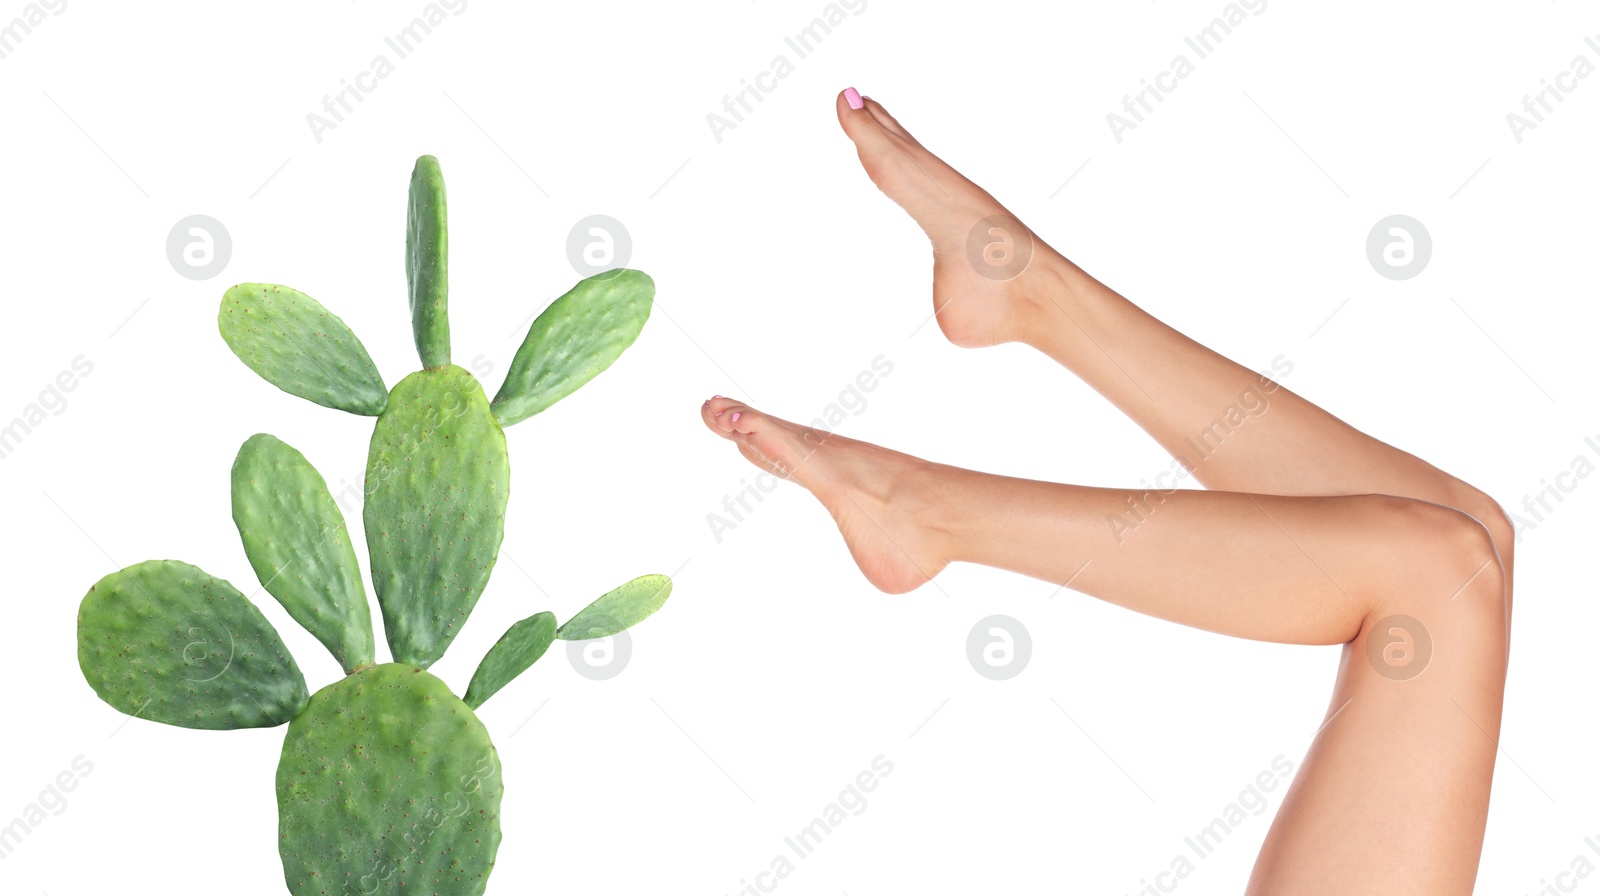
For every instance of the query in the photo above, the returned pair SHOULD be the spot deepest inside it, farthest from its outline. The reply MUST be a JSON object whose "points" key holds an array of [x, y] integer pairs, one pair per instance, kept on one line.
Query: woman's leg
{"points": [[1393, 795], [1176, 389]]}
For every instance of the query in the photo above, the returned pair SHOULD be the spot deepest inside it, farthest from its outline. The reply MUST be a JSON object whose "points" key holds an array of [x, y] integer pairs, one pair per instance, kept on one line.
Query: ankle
{"points": [[1054, 286], [1064, 302], [921, 495]]}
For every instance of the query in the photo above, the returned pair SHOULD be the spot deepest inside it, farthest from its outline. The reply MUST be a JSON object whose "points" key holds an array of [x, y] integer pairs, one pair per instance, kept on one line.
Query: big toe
{"points": [[779, 445], [884, 152], [858, 121], [906, 172]]}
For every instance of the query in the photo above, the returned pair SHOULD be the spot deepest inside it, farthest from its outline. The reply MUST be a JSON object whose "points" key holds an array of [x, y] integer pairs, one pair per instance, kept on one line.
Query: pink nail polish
{"points": [[716, 396], [707, 404], [736, 416], [717, 414], [853, 98]]}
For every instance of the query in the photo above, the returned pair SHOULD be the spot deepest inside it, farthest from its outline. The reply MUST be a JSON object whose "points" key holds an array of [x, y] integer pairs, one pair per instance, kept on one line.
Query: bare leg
{"points": [[1236, 563], [1176, 389], [1296, 569], [1182, 393]]}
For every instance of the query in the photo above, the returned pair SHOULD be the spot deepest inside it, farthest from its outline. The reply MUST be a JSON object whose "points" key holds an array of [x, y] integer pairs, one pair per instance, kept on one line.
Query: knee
{"points": [[1456, 583], [1494, 519], [1475, 550], [1501, 532]]}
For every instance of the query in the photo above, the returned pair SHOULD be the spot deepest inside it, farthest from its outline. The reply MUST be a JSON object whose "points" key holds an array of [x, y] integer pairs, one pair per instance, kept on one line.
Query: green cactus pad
{"points": [[164, 641], [427, 263], [296, 540], [301, 347], [618, 609], [437, 481], [388, 783], [573, 341], [520, 647]]}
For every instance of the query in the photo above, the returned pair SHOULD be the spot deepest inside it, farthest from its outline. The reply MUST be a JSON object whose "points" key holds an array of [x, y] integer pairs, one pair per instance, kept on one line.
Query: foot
{"points": [[991, 275], [879, 498]]}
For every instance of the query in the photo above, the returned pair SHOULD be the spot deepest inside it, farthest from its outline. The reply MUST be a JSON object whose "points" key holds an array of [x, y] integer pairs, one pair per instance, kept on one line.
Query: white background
{"points": [[1238, 212]]}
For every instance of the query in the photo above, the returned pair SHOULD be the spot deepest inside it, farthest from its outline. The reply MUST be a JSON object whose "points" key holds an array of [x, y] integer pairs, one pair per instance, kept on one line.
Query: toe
{"points": [[744, 421], [712, 412], [874, 141], [766, 441], [888, 121], [897, 164], [730, 416], [859, 124]]}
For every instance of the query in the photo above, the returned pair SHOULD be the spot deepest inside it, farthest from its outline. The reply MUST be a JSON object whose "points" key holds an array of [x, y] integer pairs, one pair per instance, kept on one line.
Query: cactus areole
{"points": [[388, 782]]}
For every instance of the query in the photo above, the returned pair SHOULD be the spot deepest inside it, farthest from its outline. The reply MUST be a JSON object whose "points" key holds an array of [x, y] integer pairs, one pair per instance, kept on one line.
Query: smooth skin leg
{"points": [[1175, 389], [1311, 548], [1170, 385], [1393, 794]]}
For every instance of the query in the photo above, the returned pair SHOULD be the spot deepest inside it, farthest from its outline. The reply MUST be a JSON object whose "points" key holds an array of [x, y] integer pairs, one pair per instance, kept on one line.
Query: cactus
{"points": [[387, 782]]}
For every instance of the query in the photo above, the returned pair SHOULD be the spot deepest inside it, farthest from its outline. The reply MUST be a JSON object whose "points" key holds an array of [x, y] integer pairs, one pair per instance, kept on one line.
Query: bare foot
{"points": [[991, 275], [879, 498]]}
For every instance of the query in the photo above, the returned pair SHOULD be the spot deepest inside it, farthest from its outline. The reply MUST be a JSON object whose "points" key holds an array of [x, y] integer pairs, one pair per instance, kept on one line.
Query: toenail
{"points": [[852, 97], [717, 414], [716, 396], [736, 416], [707, 404]]}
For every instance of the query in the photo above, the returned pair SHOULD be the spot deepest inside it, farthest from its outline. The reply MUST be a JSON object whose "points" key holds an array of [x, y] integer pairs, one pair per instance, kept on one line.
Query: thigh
{"points": [[1393, 794]]}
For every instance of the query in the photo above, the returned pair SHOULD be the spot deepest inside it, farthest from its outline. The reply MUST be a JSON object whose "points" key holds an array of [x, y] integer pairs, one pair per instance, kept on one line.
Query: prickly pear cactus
{"points": [[388, 782]]}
